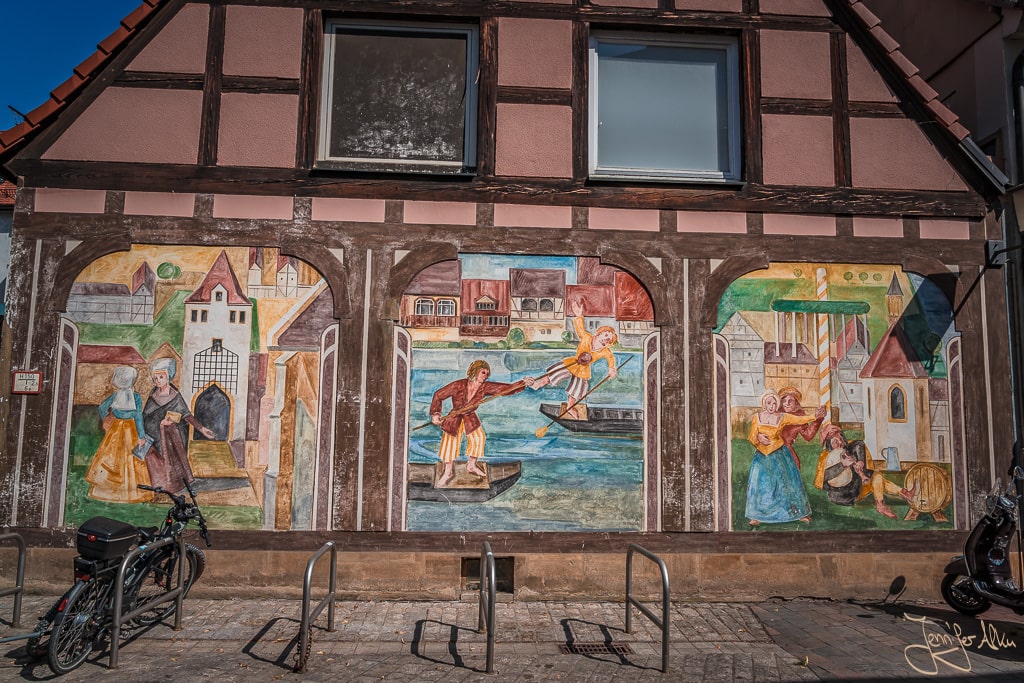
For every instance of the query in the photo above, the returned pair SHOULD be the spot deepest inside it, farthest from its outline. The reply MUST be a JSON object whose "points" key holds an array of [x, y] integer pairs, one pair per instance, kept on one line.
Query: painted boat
{"points": [[464, 487], [599, 419]]}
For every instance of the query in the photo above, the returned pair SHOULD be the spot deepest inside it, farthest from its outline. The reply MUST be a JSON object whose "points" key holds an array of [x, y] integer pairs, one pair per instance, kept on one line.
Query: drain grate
{"points": [[594, 649]]}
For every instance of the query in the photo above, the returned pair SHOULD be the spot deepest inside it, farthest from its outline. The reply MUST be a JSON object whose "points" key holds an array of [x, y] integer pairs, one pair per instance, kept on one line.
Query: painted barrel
{"points": [[934, 487]]}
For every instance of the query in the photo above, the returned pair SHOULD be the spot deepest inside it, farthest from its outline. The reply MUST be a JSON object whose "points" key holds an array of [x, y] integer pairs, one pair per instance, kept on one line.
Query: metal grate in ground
{"points": [[594, 649]]}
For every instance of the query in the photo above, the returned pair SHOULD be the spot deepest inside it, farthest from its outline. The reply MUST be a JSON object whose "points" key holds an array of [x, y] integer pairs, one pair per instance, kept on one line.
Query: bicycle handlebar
{"points": [[183, 510]]}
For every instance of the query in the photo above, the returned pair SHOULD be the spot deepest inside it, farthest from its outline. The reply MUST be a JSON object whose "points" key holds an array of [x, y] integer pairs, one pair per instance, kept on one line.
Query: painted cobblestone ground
{"points": [[777, 640]]}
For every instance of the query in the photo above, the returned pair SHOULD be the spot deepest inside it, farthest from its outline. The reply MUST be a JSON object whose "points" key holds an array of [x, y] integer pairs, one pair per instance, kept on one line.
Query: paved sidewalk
{"points": [[776, 640]]}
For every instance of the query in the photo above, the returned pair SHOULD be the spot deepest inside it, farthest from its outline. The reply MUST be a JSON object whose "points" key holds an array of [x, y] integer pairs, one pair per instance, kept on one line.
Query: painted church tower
{"points": [[215, 351]]}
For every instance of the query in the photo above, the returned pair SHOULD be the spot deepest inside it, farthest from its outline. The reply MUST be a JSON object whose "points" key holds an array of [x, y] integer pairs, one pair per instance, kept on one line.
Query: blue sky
{"points": [[43, 41]]}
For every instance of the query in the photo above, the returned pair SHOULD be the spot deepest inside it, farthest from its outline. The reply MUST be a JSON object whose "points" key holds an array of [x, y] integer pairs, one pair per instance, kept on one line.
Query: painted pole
{"points": [[824, 378]]}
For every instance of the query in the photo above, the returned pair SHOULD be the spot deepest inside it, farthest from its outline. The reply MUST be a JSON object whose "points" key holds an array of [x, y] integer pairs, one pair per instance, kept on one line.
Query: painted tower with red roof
{"points": [[215, 351]]}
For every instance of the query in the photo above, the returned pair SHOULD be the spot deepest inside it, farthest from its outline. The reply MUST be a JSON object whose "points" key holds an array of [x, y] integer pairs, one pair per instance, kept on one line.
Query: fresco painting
{"points": [[526, 394], [842, 398], [198, 365]]}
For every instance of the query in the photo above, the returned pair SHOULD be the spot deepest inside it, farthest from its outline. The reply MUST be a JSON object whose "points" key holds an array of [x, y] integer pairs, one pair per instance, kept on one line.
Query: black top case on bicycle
{"points": [[102, 538]]}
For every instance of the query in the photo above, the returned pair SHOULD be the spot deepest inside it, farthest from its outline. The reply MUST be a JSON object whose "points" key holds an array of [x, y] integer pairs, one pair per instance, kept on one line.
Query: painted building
{"points": [[344, 225]]}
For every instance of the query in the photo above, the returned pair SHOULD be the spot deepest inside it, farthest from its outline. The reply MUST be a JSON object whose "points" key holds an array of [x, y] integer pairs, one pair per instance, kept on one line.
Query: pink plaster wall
{"points": [[535, 53], [444, 213], [549, 2], [626, 3], [135, 124], [865, 84], [528, 216], [533, 140], [894, 153], [356, 210], [811, 8], [263, 41], [797, 150], [250, 206], [180, 47], [942, 229], [711, 5], [49, 200], [799, 224], [711, 221], [159, 204], [796, 64], [864, 226], [624, 219], [258, 130]]}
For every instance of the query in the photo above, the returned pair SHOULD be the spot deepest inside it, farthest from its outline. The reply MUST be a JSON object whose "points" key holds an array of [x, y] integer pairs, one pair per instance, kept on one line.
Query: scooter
{"points": [[982, 576]]}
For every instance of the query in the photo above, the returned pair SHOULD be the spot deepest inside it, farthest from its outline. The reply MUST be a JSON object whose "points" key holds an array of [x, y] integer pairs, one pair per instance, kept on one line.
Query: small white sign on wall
{"points": [[26, 382]]}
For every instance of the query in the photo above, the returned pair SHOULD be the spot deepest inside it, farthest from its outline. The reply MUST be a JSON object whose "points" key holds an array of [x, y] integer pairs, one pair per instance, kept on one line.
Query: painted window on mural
{"points": [[184, 374], [810, 349], [524, 415]]}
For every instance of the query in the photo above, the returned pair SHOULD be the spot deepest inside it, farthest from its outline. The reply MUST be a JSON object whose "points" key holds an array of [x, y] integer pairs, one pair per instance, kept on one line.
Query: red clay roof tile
{"points": [[40, 113], [921, 86], [137, 16], [91, 64], [114, 40], [887, 42], [7, 192], [865, 14], [959, 132], [12, 135], [905, 65], [63, 91], [942, 112]]}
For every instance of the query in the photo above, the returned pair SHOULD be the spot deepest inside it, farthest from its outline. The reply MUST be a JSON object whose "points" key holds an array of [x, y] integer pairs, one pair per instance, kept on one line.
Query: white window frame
{"points": [[730, 46], [468, 163]]}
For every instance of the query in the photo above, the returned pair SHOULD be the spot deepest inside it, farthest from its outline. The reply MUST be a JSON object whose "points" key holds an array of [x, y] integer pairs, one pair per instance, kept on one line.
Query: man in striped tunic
{"points": [[465, 395]]}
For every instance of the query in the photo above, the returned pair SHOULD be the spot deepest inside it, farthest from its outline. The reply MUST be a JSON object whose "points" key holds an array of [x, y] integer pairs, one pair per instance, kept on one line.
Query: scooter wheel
{"points": [[959, 593]]}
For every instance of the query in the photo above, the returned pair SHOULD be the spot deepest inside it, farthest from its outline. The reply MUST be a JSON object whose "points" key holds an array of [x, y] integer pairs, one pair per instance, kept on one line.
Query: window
{"points": [[218, 296], [897, 405], [233, 316], [424, 307], [399, 97], [486, 303], [446, 307], [664, 108], [202, 316]]}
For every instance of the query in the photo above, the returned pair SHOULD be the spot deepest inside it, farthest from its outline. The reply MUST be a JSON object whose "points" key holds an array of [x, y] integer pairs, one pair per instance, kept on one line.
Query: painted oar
{"points": [[506, 392], [544, 430]]}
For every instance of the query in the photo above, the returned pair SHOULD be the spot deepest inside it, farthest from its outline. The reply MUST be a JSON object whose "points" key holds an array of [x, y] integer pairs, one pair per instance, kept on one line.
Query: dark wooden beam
{"points": [[209, 126]]}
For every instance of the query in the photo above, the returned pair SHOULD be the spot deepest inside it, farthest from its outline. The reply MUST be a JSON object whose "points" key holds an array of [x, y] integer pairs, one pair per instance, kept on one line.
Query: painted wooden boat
{"points": [[464, 487], [599, 419]]}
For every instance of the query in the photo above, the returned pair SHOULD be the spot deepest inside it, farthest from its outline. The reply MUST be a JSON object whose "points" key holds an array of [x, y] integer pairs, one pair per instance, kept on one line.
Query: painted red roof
{"points": [[82, 74], [221, 273], [7, 191]]}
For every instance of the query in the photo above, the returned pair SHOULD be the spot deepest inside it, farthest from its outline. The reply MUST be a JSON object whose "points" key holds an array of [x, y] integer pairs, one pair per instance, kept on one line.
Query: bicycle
{"points": [[84, 616]]}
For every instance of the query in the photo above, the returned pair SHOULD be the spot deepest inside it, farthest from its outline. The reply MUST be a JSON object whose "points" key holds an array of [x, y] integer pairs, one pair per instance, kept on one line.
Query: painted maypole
{"points": [[824, 377]]}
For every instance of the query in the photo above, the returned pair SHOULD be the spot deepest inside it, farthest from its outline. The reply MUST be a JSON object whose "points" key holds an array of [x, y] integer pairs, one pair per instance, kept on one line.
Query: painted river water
{"points": [[570, 481]]}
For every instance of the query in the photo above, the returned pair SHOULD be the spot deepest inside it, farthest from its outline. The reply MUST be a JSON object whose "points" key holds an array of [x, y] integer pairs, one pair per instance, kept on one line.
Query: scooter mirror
{"points": [[1018, 472]]}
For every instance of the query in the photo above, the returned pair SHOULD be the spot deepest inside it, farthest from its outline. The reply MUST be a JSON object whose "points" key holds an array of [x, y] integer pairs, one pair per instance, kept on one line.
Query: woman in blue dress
{"points": [[775, 492]]}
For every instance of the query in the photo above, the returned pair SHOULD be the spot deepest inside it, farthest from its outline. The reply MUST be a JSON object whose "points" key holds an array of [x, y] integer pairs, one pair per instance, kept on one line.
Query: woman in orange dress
{"points": [[119, 466]]}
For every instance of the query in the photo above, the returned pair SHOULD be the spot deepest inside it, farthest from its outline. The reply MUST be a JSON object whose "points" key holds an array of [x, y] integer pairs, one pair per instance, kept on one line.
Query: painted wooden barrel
{"points": [[934, 487]]}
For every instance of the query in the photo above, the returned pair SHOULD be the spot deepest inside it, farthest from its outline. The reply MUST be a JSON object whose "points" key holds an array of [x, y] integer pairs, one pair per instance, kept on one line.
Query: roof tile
{"points": [[866, 15], [12, 135], [44, 110], [66, 89], [887, 42], [91, 64], [921, 86], [137, 16], [943, 113], [114, 40], [959, 132], [905, 65]]}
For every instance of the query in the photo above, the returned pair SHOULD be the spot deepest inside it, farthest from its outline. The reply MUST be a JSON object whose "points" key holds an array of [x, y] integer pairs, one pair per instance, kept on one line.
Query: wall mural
{"points": [[200, 364], [526, 380], [841, 388]]}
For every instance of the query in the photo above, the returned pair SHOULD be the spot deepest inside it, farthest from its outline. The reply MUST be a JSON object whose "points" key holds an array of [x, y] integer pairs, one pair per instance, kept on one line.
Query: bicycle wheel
{"points": [[36, 648], [76, 626], [161, 575]]}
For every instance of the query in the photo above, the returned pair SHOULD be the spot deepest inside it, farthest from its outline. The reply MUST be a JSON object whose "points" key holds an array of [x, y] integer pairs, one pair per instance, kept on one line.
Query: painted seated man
{"points": [[845, 473]]}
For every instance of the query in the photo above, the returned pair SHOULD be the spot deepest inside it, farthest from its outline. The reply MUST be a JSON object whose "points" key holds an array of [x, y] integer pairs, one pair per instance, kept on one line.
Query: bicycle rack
{"points": [[19, 586], [308, 618], [663, 623], [487, 599], [177, 593]]}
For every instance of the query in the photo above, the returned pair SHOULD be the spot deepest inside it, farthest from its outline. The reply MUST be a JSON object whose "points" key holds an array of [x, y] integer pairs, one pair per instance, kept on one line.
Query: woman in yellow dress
{"points": [[116, 470], [775, 492]]}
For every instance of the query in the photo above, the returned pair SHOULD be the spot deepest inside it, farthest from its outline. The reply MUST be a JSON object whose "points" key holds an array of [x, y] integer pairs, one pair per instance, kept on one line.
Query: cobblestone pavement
{"points": [[776, 640]]}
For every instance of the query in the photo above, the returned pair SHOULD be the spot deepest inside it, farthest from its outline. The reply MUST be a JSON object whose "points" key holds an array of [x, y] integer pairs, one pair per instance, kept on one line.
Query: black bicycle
{"points": [[84, 616]]}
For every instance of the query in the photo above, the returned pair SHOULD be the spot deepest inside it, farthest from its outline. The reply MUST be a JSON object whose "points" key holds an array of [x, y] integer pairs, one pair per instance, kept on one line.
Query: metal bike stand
{"points": [[19, 585], [487, 599], [631, 601], [308, 618], [177, 593]]}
